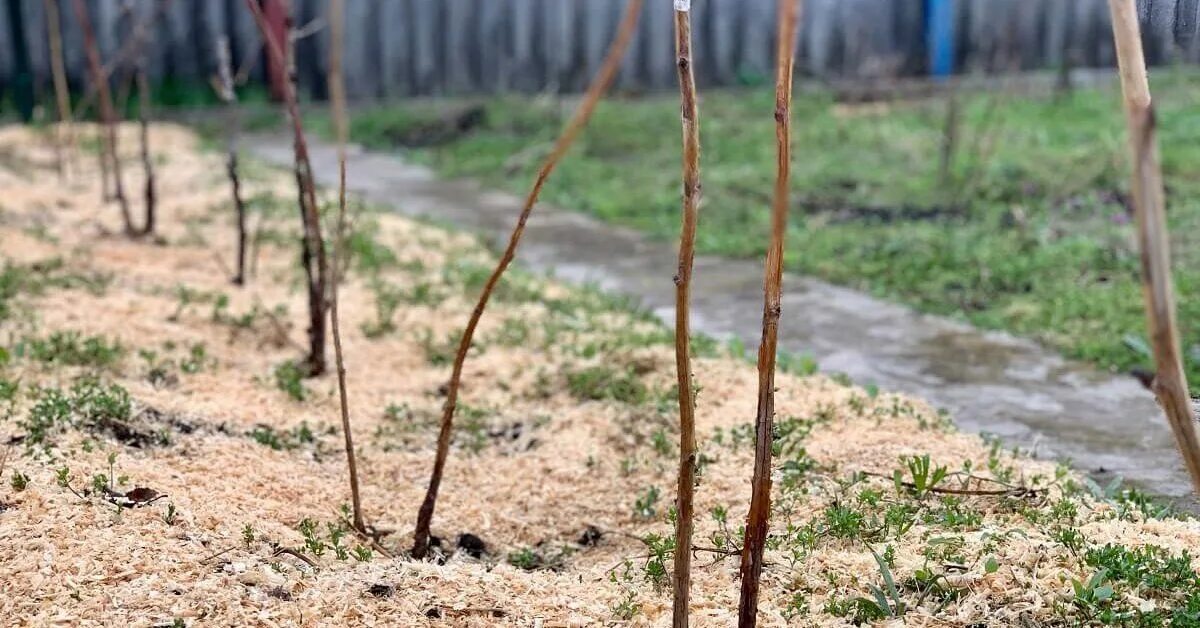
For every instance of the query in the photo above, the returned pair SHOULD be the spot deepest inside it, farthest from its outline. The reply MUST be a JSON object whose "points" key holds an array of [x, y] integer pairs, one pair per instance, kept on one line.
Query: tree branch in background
{"points": [[143, 87], [123, 55], [1170, 383], [760, 497], [108, 116], [65, 133], [228, 96], [312, 246], [337, 93], [599, 85], [690, 118]]}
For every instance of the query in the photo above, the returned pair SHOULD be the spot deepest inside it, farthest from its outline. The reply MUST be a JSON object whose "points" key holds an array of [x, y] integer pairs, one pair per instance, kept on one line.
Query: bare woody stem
{"points": [[1170, 383], [337, 92], [690, 118], [151, 195], [65, 134], [760, 496], [140, 43], [599, 85], [228, 98], [117, 61], [108, 116], [312, 247]]}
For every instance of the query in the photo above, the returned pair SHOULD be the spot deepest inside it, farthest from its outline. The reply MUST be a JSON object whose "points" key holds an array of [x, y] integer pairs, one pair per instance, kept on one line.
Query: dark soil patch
{"points": [[591, 536], [280, 593], [842, 214], [149, 427], [381, 591], [438, 132], [471, 545]]}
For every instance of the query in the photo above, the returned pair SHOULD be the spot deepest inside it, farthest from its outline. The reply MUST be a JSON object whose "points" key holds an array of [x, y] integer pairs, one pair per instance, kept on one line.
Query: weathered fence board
{"points": [[419, 47]]}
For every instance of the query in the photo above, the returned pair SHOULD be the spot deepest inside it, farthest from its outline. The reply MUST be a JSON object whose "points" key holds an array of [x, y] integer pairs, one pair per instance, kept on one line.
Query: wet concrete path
{"points": [[988, 381]]}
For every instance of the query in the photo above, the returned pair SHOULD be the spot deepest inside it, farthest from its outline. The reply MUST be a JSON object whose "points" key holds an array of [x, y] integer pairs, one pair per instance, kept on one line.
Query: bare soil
{"points": [[546, 506]]}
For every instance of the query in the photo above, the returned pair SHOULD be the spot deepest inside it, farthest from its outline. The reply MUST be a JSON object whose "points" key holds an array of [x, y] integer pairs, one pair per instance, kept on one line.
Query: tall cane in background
{"points": [[760, 497], [600, 84], [690, 118], [1170, 383]]}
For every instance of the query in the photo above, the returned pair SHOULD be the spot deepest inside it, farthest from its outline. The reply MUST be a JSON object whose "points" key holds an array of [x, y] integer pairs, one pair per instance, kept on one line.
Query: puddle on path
{"points": [[1029, 396]]}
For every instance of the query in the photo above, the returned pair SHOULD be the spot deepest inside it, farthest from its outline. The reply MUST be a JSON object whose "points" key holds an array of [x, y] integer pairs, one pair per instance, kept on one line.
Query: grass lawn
{"points": [[1027, 230]]}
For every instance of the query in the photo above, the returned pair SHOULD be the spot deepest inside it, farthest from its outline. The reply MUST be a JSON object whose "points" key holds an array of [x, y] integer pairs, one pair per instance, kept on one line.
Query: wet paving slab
{"points": [[1027, 395]]}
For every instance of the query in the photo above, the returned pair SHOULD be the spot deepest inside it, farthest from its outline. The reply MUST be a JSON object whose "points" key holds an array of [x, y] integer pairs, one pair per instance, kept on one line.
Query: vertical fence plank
{"points": [[6, 69], [207, 18], [1184, 29], [391, 35], [425, 52], [722, 42], [756, 32], [657, 53], [1091, 34], [39, 48], [421, 47], [598, 29], [244, 46], [819, 22], [628, 78], [457, 40], [550, 50], [495, 47], [360, 50], [1160, 31], [522, 69], [573, 74]]}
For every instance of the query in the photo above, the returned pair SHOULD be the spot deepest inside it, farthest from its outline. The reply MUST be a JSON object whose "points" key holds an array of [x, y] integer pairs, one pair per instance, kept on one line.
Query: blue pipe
{"points": [[939, 37]]}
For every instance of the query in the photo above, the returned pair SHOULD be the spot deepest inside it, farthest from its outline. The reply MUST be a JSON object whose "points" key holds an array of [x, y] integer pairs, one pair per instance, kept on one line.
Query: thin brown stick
{"points": [[337, 92], [64, 134], [228, 96], [217, 554], [760, 497], [1170, 383], [690, 119], [312, 247], [150, 194], [369, 534], [142, 40], [600, 85], [108, 116], [118, 60], [287, 551]]}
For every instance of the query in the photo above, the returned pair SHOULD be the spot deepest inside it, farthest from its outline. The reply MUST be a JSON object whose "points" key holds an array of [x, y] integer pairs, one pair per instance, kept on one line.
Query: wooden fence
{"points": [[424, 47]]}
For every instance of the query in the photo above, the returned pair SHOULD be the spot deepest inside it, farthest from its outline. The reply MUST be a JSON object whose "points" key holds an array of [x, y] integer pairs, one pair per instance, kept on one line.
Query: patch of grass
{"points": [[440, 353], [88, 403], [332, 541], [538, 558], [365, 252], [515, 287], [38, 277], [9, 389], [603, 382], [18, 481], [524, 558], [71, 348], [281, 440], [289, 377], [646, 504], [1029, 232]]}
